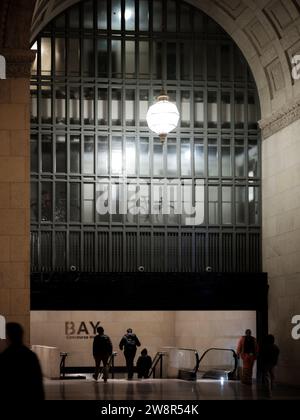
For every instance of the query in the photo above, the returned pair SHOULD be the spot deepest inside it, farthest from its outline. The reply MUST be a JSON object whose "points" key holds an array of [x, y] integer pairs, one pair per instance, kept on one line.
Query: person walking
{"points": [[21, 376], [102, 350], [268, 356], [129, 343], [247, 350], [144, 364]]}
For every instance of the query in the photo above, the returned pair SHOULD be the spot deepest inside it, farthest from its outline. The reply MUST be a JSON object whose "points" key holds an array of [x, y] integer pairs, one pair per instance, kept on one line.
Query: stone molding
{"points": [[18, 63], [281, 119]]}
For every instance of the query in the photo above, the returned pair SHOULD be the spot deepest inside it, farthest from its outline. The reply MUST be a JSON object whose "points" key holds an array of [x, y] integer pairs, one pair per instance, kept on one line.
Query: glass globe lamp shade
{"points": [[163, 117]]}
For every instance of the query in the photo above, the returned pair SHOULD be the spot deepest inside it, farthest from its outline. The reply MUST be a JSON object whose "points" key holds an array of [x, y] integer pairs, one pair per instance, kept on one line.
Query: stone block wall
{"points": [[281, 242], [14, 201]]}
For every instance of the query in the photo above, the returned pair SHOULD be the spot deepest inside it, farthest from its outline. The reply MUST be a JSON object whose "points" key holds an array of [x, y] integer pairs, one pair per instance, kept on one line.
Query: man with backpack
{"points": [[129, 343], [102, 350], [247, 350]]}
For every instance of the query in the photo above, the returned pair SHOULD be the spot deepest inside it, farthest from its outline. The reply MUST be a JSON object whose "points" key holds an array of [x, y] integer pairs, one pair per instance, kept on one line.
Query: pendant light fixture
{"points": [[163, 116]]}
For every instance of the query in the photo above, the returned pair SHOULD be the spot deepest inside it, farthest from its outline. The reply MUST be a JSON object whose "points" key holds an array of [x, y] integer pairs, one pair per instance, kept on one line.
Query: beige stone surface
{"points": [[14, 202], [5, 142], [193, 330], [281, 242]]}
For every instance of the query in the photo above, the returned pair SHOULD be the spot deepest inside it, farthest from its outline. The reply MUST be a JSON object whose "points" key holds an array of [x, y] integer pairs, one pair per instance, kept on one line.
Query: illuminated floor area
{"points": [[155, 389]]}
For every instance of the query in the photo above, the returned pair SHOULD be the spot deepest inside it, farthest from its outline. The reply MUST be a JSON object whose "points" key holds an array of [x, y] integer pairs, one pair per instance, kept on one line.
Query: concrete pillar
{"points": [[281, 234], [14, 189]]}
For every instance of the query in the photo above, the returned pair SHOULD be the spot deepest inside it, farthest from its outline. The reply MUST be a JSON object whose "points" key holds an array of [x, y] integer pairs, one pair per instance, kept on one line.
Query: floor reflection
{"points": [[156, 389]]}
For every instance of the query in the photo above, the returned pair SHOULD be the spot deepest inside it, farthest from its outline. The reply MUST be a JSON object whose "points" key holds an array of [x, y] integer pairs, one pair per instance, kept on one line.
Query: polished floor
{"points": [[156, 389]]}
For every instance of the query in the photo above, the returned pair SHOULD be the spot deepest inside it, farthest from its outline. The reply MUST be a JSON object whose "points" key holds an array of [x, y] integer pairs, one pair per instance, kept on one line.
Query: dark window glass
{"points": [[130, 15], [144, 60], [212, 110], [116, 107], [102, 14], [46, 105], [60, 56], [226, 159], [88, 13], [144, 15], [143, 107], [226, 110], [157, 13], [185, 61], [61, 154], [47, 200], [75, 200], [240, 205], [47, 153], [226, 205], [34, 213], [212, 63], [34, 153], [88, 106], [240, 159], [89, 203], [74, 57], [102, 58], [226, 62], [88, 58], [60, 202], [75, 154], [171, 15], [74, 17], [46, 56], [60, 105], [130, 58], [199, 158], [89, 155], [116, 15], [34, 104], [116, 59], [102, 107], [74, 105], [103, 155], [157, 60], [185, 18], [171, 61], [97, 71]]}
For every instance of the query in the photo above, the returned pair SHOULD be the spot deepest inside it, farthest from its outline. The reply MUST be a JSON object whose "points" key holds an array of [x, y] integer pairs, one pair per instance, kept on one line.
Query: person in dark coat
{"points": [[20, 372], [129, 343], [269, 355], [102, 350], [144, 364]]}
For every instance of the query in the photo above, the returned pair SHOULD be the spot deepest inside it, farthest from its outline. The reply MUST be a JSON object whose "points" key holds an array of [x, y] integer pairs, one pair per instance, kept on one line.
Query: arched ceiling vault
{"points": [[267, 32]]}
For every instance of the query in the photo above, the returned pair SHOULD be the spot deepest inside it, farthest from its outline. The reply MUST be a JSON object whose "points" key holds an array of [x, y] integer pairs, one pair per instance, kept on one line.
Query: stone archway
{"points": [[268, 33]]}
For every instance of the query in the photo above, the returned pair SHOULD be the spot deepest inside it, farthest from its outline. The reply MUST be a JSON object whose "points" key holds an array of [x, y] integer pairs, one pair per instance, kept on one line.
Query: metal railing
{"points": [[158, 359], [232, 372]]}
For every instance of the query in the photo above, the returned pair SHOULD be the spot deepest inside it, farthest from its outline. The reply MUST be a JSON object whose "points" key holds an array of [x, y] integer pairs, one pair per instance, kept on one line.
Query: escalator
{"points": [[186, 364], [217, 370]]}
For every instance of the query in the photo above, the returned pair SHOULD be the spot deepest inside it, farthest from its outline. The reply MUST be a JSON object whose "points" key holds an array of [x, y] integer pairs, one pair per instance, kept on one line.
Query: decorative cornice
{"points": [[18, 63], [281, 119]]}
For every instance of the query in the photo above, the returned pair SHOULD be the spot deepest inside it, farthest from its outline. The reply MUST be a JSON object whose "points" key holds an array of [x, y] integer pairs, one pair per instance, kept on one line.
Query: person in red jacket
{"points": [[247, 350]]}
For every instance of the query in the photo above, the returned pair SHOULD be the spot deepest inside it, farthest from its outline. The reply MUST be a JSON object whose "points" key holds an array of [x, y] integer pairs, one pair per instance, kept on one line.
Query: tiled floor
{"points": [[155, 389]]}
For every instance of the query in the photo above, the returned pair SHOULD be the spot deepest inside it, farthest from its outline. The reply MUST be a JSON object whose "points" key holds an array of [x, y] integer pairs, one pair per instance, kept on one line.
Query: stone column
{"points": [[14, 188], [281, 232]]}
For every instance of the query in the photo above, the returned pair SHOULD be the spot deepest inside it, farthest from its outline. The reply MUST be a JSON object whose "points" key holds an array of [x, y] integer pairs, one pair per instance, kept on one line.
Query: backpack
{"points": [[249, 345], [130, 342]]}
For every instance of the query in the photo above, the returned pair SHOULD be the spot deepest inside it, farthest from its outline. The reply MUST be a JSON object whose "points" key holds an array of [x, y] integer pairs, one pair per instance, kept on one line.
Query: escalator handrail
{"points": [[156, 359], [235, 356]]}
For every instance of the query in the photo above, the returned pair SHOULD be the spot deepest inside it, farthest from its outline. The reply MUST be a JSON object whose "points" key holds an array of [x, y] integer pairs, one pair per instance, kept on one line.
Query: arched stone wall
{"points": [[268, 33]]}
